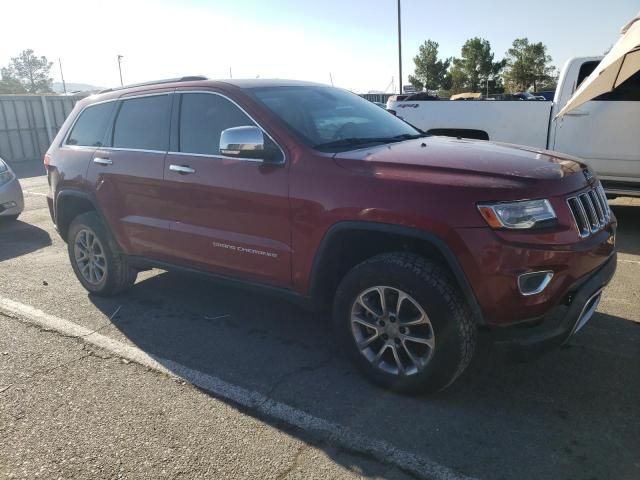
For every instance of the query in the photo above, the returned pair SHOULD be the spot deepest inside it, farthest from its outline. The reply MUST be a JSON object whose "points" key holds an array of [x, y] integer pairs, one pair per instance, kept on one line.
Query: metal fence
{"points": [[377, 97], [28, 124]]}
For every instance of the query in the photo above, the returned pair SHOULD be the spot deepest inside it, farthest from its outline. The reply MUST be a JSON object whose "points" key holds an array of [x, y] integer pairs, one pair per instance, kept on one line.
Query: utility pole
{"points": [[120, 68], [230, 73], [399, 49], [64, 85], [331, 78]]}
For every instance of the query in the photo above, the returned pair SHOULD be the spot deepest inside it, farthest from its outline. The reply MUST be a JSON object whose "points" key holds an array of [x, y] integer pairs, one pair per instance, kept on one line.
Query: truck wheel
{"points": [[95, 257], [404, 323]]}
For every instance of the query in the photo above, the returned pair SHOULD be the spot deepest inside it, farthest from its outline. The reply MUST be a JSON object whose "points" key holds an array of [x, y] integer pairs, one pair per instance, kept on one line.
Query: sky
{"points": [[353, 42]]}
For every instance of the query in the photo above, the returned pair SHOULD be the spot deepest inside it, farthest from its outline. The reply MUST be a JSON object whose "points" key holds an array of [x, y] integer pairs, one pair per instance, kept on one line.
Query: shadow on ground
{"points": [[18, 238], [628, 238], [29, 169], [570, 414]]}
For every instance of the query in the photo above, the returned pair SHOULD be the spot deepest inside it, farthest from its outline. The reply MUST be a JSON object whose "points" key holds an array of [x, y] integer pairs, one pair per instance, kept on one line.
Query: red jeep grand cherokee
{"points": [[310, 191]]}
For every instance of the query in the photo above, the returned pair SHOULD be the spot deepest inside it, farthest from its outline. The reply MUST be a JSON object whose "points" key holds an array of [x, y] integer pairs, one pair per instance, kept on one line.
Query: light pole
{"points": [[120, 68], [399, 49], [64, 85]]}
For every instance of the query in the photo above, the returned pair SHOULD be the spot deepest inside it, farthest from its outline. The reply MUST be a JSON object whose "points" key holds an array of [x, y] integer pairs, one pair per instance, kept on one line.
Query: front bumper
{"points": [[552, 330], [11, 193]]}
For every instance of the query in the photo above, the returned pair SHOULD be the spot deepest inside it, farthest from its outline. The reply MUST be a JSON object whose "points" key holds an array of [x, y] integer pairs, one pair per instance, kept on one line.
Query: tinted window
{"points": [[143, 123], [91, 126], [628, 91], [586, 69], [320, 115], [203, 117]]}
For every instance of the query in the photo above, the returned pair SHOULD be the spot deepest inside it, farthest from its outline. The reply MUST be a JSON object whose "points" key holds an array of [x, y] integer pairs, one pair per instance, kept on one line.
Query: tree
{"points": [[417, 84], [29, 71], [457, 77], [9, 84], [528, 65], [430, 72], [476, 67]]}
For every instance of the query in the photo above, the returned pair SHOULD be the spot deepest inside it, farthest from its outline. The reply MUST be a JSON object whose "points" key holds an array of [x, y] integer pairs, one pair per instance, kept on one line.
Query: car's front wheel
{"points": [[95, 257], [404, 322]]}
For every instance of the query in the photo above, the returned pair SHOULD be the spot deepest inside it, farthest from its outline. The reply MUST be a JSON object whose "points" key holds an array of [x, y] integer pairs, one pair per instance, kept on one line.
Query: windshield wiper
{"points": [[355, 141]]}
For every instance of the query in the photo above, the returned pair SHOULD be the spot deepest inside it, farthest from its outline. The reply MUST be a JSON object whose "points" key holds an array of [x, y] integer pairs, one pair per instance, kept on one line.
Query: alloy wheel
{"points": [[392, 330], [89, 256]]}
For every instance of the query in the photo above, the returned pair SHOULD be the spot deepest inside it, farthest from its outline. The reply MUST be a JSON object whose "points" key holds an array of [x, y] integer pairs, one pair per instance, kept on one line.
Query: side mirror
{"points": [[243, 142]]}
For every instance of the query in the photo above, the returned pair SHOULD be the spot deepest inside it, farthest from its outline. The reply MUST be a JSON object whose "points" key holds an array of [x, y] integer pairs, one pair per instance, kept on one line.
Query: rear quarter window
{"points": [[90, 128]]}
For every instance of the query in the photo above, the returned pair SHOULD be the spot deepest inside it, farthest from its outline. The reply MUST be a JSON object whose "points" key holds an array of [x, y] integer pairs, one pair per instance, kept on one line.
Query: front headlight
{"points": [[517, 215]]}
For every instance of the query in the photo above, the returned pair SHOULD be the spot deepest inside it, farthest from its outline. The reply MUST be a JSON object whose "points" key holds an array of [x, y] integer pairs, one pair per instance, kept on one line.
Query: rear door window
{"points": [[91, 126], [143, 124]]}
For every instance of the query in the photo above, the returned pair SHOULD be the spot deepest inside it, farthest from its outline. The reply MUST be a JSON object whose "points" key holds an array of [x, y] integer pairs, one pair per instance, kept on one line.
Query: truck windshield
{"points": [[331, 119]]}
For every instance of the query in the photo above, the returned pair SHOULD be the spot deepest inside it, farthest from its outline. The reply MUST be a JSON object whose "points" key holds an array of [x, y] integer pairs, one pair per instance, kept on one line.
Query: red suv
{"points": [[415, 241]]}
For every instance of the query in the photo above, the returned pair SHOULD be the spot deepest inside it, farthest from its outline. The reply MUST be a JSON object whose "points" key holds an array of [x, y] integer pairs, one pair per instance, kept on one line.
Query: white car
{"points": [[11, 198], [603, 132]]}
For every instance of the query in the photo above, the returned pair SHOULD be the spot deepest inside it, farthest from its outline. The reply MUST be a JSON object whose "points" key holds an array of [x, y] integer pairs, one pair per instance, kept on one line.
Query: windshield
{"points": [[332, 119]]}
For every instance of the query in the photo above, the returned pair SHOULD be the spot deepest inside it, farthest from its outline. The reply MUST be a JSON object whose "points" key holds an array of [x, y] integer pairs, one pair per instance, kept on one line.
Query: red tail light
{"points": [[47, 159]]}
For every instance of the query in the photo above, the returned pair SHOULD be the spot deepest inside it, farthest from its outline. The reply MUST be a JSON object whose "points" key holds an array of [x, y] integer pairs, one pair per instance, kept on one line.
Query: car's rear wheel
{"points": [[404, 323], [95, 257], [9, 218]]}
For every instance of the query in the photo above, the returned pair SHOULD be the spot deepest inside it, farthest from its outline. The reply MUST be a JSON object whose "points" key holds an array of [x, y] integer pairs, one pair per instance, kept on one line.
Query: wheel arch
{"points": [[68, 205], [340, 250]]}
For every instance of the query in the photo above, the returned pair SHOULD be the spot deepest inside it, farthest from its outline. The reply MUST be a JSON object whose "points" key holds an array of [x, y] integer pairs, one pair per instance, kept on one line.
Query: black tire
{"points": [[451, 323], [9, 218], [118, 275]]}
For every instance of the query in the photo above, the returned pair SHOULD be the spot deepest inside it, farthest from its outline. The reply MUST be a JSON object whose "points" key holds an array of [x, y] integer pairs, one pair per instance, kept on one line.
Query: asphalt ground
{"points": [[184, 378]]}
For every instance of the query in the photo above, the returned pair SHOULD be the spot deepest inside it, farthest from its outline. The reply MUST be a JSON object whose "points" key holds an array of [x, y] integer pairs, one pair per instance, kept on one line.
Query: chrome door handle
{"points": [[182, 169], [102, 161]]}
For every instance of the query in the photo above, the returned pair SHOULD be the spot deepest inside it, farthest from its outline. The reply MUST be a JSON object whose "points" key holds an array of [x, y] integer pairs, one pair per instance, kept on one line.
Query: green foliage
{"points": [[9, 84], [528, 66], [457, 77], [430, 72], [475, 68], [418, 85], [27, 73]]}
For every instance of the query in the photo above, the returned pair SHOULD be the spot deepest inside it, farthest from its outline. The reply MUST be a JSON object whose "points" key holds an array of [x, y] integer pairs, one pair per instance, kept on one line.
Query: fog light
{"points": [[9, 205], [534, 282]]}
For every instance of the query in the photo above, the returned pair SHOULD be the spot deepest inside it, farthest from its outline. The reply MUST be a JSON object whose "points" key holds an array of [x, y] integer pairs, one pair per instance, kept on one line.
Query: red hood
{"points": [[471, 163]]}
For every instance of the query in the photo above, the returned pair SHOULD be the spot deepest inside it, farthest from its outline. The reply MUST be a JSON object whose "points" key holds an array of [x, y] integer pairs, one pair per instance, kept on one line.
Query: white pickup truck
{"points": [[604, 132]]}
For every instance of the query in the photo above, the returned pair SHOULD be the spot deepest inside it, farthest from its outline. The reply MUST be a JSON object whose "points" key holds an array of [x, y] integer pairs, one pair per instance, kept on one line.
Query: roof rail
{"points": [[188, 78]]}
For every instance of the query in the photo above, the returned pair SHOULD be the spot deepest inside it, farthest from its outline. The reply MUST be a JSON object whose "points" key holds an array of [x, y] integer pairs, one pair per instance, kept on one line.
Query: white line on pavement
{"points": [[629, 261], [330, 432], [35, 193]]}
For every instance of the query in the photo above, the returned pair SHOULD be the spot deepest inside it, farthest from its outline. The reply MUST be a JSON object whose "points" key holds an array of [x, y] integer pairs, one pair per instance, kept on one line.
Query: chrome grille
{"points": [[590, 211]]}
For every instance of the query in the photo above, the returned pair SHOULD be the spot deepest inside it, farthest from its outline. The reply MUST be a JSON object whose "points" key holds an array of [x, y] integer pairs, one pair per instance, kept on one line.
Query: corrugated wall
{"points": [[28, 124]]}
